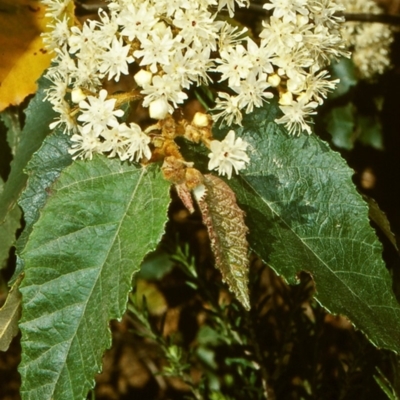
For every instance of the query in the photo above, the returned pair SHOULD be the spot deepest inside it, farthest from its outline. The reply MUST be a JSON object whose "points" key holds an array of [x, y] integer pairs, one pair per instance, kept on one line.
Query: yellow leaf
{"points": [[9, 316], [23, 57]]}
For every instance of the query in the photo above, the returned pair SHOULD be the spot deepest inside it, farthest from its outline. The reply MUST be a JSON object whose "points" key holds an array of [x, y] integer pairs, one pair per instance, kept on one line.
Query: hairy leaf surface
{"points": [[304, 214], [227, 231], [98, 224]]}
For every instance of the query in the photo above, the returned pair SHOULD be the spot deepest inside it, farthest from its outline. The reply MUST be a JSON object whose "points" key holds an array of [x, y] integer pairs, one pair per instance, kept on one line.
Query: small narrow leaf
{"points": [[304, 214], [340, 124], [8, 231], [227, 231], [345, 71], [370, 130], [11, 120], [100, 221], [381, 220], [9, 316]]}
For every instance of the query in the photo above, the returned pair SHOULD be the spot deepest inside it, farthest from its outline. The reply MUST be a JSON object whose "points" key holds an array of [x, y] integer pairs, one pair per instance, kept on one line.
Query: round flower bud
{"points": [[77, 95], [143, 78], [274, 80], [158, 109], [160, 28], [286, 99], [201, 120]]}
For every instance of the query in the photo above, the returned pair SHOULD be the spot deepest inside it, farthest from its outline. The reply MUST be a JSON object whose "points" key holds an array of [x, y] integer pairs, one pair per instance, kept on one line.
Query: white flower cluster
{"points": [[174, 44], [369, 42], [297, 43]]}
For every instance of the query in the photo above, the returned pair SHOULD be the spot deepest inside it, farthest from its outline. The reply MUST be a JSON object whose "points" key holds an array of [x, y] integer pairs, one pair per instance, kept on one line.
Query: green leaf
{"points": [[100, 221], [156, 265], [370, 130], [39, 115], [385, 385], [345, 71], [43, 169], [340, 124], [8, 231], [11, 120], [9, 316], [381, 220], [304, 214]]}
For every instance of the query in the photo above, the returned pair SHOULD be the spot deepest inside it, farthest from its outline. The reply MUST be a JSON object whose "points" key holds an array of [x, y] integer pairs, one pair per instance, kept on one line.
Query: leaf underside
{"points": [[304, 214], [100, 221], [227, 231]]}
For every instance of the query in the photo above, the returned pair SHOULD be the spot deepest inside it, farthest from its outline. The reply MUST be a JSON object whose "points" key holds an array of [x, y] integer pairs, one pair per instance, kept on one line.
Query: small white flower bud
{"points": [[286, 99], [201, 120], [274, 80], [77, 95], [143, 78], [158, 109], [159, 28], [199, 192]]}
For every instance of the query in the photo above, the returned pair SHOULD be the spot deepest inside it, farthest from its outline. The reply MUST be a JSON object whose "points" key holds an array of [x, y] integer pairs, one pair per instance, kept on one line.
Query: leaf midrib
{"points": [[299, 238], [143, 172]]}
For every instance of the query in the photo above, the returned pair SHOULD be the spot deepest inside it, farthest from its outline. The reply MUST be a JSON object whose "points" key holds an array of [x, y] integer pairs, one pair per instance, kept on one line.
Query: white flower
{"points": [[228, 154], [235, 65], [295, 116], [230, 5], [55, 8], [56, 92], [64, 117], [230, 111], [84, 146], [156, 49], [252, 92], [115, 60], [287, 9], [137, 142], [137, 21], [164, 87], [196, 26], [98, 113], [114, 143], [280, 37], [83, 41], [57, 34]]}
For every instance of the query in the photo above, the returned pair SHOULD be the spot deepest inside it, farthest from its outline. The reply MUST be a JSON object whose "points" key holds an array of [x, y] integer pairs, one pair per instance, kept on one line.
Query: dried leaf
{"points": [[9, 316], [227, 231], [184, 194], [23, 57]]}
